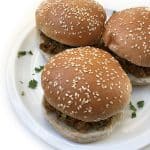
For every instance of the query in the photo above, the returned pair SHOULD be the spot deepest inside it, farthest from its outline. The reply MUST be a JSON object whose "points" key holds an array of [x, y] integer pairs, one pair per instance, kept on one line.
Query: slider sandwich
{"points": [[65, 24], [127, 35], [85, 93]]}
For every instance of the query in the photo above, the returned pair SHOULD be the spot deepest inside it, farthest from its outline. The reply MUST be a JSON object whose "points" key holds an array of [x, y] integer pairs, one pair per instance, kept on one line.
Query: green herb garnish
{"points": [[21, 53], [22, 93], [30, 52], [39, 69], [133, 114], [140, 104], [132, 107], [32, 84], [114, 11]]}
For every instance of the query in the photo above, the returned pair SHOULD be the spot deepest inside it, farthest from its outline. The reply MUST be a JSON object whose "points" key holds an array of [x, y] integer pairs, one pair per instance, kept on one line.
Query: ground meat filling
{"points": [[137, 71], [51, 46], [79, 125]]}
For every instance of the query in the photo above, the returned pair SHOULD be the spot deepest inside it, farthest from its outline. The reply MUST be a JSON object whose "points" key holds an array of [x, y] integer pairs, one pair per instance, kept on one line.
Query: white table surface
{"points": [[13, 135]]}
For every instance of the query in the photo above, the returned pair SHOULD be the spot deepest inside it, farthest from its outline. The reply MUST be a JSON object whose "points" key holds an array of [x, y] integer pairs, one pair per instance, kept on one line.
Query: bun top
{"points": [[127, 33], [86, 83], [71, 22]]}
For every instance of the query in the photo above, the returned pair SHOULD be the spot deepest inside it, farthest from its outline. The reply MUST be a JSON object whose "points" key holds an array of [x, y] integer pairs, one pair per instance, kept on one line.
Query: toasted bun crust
{"points": [[86, 83], [139, 81], [76, 136], [127, 33], [74, 22]]}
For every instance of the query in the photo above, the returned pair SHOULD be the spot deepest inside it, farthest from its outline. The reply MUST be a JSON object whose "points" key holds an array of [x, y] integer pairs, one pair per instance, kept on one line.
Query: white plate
{"points": [[133, 133]]}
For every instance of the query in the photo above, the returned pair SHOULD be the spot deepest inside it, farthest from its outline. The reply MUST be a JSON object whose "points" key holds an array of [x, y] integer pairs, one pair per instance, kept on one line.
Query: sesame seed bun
{"points": [[127, 33], [86, 83], [74, 22]]}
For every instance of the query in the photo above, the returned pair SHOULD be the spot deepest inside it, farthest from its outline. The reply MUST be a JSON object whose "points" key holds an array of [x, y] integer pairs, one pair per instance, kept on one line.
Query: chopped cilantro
{"points": [[132, 107], [133, 115], [114, 11], [33, 84], [140, 104], [30, 52], [21, 54], [39, 69]]}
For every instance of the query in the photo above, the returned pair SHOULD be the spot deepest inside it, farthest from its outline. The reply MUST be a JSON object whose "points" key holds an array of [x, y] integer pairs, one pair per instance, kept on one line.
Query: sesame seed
{"points": [[111, 102], [67, 81], [107, 105]]}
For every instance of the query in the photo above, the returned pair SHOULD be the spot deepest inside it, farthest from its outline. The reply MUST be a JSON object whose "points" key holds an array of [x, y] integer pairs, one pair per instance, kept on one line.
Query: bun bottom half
{"points": [[76, 136], [139, 81]]}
